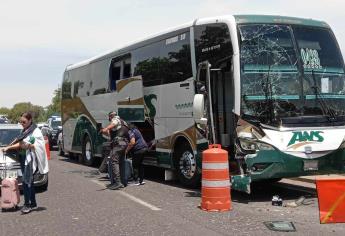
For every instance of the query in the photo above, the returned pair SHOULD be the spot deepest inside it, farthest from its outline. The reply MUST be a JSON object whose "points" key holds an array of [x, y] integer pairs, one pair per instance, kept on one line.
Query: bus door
{"points": [[213, 55], [222, 102], [130, 99]]}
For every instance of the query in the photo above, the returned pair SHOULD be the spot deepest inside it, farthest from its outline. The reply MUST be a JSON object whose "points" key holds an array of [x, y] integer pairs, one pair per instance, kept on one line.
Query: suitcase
{"points": [[126, 171], [110, 172], [9, 194], [10, 197]]}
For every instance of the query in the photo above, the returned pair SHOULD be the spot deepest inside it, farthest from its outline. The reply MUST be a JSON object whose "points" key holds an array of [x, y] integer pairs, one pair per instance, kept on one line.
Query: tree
{"points": [[19, 108], [4, 111], [55, 106]]}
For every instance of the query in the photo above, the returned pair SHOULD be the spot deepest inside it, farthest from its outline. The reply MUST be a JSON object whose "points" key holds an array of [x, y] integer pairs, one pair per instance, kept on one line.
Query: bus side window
{"points": [[120, 68], [126, 68], [115, 74]]}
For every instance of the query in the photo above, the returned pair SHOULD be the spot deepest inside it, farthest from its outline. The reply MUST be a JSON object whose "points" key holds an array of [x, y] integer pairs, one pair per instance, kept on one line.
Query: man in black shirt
{"points": [[138, 147]]}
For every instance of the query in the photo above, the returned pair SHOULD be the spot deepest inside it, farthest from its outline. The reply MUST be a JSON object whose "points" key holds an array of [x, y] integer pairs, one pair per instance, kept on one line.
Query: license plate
{"points": [[310, 165], [9, 173]]}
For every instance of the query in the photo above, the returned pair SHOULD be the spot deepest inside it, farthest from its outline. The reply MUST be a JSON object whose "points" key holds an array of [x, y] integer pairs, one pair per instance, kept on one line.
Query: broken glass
{"points": [[270, 82], [279, 64]]}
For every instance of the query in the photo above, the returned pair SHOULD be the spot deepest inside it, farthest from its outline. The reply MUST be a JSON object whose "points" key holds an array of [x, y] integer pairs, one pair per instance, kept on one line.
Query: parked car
{"points": [[52, 130], [40, 125], [9, 162]]}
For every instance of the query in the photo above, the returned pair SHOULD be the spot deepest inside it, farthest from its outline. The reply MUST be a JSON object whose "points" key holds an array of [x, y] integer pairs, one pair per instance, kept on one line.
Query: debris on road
{"points": [[283, 226]]}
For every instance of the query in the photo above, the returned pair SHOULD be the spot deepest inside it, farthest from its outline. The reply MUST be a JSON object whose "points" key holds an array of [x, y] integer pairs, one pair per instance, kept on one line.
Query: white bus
{"points": [[269, 89]]}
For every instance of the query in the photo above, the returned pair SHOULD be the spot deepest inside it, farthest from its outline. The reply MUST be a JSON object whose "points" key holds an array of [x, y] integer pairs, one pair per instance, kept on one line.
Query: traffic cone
{"points": [[215, 185], [331, 197], [46, 140]]}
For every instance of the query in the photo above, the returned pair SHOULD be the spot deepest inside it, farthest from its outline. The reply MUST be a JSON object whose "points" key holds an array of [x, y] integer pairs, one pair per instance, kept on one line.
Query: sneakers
{"points": [[26, 209], [115, 186], [33, 207], [139, 183]]}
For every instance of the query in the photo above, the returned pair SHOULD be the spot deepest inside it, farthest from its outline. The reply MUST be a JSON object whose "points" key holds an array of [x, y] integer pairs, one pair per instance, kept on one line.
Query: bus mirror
{"points": [[199, 109]]}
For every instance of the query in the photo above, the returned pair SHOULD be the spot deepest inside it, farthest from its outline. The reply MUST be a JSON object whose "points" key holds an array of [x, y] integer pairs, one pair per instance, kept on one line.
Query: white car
{"points": [[9, 162]]}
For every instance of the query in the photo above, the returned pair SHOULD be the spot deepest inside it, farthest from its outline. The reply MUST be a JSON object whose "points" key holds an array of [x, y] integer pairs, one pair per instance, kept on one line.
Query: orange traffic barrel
{"points": [[215, 184], [46, 140], [331, 197]]}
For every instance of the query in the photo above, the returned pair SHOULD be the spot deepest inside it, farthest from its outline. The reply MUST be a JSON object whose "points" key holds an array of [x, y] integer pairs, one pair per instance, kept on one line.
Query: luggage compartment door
{"points": [[130, 99]]}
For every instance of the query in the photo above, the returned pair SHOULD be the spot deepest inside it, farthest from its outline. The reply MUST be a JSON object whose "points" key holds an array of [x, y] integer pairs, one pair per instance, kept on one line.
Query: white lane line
{"points": [[131, 197]]}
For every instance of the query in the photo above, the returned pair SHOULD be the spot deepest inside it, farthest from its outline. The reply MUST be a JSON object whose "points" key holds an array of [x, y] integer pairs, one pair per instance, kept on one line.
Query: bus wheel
{"points": [[88, 157], [186, 167]]}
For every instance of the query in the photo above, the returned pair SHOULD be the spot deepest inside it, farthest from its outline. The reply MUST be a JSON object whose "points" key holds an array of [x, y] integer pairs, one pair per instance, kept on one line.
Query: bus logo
{"points": [[306, 136], [151, 108]]}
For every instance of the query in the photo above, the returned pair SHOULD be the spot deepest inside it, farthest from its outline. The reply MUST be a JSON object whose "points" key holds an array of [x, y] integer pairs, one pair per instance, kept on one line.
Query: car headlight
{"points": [[255, 145]]}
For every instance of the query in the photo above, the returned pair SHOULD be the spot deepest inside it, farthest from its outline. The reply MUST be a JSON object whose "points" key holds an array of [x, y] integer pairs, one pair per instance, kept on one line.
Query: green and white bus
{"points": [[269, 89]]}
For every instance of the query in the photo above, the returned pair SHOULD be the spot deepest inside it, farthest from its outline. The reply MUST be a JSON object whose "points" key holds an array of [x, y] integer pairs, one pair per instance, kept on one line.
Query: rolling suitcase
{"points": [[9, 193], [126, 171]]}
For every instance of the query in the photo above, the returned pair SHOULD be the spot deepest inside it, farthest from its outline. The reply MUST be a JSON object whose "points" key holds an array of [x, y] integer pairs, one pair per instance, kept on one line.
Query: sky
{"points": [[39, 38]]}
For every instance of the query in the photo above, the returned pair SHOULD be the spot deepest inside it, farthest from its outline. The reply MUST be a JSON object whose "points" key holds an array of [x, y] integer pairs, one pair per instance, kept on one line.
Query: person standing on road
{"points": [[117, 130], [138, 148], [33, 159]]}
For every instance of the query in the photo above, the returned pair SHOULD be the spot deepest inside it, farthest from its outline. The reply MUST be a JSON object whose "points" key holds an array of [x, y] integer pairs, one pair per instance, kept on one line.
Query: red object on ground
{"points": [[331, 196], [47, 147], [215, 186]]}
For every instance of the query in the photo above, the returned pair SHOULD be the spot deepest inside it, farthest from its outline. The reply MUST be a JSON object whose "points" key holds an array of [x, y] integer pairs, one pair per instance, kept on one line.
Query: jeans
{"points": [[28, 191], [138, 166]]}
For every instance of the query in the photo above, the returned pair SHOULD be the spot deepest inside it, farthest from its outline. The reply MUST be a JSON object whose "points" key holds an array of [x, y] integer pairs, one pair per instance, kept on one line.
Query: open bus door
{"points": [[130, 102], [212, 106]]}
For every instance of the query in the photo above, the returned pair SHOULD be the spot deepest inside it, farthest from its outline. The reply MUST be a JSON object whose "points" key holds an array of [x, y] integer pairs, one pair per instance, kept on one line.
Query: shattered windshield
{"points": [[281, 78], [323, 72]]}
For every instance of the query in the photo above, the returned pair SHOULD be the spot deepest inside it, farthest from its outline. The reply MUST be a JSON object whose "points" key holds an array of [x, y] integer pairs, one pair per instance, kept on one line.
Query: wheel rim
{"points": [[88, 152], [187, 164]]}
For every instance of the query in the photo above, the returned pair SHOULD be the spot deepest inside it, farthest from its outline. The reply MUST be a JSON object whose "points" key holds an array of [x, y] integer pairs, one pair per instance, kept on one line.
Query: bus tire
{"points": [[186, 166], [87, 151]]}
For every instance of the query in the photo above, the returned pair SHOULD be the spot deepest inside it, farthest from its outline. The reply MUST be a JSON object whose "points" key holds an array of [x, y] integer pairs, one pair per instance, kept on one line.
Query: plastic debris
{"points": [[277, 201], [283, 226]]}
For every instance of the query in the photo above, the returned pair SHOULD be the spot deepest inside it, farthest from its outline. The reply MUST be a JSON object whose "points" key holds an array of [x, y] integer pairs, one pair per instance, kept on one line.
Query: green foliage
{"points": [[39, 113], [54, 107], [22, 107], [4, 111]]}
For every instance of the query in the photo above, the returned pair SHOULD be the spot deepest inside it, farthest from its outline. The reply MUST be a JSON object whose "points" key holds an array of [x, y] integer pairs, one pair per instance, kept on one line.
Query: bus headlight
{"points": [[254, 145]]}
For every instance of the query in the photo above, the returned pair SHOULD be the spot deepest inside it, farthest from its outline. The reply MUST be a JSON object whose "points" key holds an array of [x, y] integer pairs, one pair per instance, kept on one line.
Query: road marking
{"points": [[131, 197]]}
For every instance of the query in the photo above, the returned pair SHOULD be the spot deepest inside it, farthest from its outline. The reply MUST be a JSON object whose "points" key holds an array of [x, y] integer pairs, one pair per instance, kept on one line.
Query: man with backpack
{"points": [[137, 147], [117, 130]]}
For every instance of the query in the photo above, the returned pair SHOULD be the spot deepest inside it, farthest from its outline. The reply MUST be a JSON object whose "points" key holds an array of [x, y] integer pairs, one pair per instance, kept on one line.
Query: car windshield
{"points": [[56, 124], [290, 71], [8, 135]]}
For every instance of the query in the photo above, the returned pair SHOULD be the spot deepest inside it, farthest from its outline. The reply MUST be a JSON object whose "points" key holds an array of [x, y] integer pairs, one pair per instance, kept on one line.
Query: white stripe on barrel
{"points": [[215, 166], [215, 183]]}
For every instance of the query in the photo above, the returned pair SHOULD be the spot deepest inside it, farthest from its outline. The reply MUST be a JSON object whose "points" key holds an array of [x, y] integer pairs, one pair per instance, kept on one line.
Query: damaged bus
{"points": [[269, 89]]}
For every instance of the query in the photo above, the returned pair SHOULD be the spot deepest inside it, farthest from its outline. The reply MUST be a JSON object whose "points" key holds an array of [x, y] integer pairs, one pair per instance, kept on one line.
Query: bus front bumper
{"points": [[273, 164]]}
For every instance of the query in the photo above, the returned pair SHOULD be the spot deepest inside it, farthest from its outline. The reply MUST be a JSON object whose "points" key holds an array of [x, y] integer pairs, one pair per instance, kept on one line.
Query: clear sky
{"points": [[40, 37]]}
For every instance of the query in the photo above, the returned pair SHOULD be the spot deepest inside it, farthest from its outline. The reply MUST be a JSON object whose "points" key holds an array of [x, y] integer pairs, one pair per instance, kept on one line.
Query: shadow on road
{"points": [[261, 192]]}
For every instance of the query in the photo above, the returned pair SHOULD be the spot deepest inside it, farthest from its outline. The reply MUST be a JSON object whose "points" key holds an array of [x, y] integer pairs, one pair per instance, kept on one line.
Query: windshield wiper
{"points": [[318, 97]]}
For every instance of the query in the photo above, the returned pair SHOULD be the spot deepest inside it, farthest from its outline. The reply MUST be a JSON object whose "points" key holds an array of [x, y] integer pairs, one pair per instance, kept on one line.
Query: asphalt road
{"points": [[77, 203]]}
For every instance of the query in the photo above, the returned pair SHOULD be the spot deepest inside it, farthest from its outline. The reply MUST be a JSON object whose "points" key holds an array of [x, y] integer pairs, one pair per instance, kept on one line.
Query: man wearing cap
{"points": [[117, 130]]}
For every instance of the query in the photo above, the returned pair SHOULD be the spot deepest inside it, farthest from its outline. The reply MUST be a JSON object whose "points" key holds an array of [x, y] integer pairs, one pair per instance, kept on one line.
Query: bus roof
{"points": [[240, 19], [271, 19]]}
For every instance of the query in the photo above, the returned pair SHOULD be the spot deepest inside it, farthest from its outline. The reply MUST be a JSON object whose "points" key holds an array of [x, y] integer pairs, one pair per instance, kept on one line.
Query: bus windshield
{"points": [[290, 72]]}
